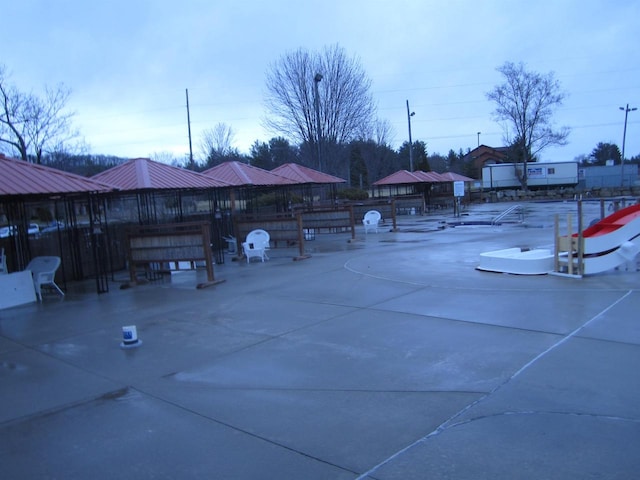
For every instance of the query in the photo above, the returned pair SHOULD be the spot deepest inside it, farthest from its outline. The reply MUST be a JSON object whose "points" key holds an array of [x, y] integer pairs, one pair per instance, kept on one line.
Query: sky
{"points": [[129, 64]]}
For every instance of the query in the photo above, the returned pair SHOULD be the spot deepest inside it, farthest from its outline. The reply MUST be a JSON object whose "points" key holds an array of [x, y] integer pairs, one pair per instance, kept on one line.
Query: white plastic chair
{"points": [[43, 270], [256, 244], [232, 247], [371, 220]]}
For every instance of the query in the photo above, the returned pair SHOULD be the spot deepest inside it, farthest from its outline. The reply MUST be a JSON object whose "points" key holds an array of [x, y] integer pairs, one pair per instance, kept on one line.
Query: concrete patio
{"points": [[387, 357]]}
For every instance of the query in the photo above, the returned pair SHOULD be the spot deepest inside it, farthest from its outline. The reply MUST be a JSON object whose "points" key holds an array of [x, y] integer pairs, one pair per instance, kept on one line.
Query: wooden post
{"points": [[353, 222], [570, 246], [556, 237], [393, 213], [579, 241], [300, 237], [206, 244]]}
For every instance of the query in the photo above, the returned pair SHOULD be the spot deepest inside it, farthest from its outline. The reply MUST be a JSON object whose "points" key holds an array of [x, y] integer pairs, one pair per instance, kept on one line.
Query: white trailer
{"points": [[539, 175]]}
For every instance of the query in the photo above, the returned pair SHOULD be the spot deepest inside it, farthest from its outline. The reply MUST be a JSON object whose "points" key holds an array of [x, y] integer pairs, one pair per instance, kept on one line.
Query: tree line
{"points": [[321, 111]]}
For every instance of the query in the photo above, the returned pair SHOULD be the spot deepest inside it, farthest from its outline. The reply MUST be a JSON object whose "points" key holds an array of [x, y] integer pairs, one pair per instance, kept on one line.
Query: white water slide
{"points": [[610, 243], [613, 241]]}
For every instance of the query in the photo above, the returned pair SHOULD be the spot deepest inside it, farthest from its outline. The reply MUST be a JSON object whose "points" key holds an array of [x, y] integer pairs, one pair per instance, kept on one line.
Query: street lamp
{"points": [[624, 138], [409, 115], [316, 101], [479, 138]]}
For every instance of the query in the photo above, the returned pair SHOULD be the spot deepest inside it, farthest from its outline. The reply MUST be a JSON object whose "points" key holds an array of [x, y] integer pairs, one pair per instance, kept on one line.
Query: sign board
{"points": [[16, 289], [536, 172], [458, 189]]}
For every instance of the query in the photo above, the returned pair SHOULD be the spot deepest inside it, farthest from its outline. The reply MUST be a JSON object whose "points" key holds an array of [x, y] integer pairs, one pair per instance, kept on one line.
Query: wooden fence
{"points": [[281, 229], [169, 243], [386, 208], [410, 205], [332, 220], [293, 229]]}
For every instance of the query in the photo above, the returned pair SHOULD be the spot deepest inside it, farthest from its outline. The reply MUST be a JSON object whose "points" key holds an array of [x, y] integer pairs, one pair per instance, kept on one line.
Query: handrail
{"points": [[512, 209]]}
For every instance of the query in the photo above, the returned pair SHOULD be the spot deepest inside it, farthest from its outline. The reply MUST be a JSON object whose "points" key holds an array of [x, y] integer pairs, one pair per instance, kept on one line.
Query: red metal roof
{"points": [[456, 177], [301, 174], [430, 177], [399, 177], [237, 174], [18, 177], [402, 177], [144, 174]]}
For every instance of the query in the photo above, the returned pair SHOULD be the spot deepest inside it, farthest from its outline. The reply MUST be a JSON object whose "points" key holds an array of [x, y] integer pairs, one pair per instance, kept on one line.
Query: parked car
{"points": [[33, 230], [8, 230], [54, 226]]}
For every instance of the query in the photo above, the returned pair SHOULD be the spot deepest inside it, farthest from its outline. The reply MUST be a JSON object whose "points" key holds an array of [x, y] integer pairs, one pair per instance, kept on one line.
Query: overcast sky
{"points": [[128, 64]]}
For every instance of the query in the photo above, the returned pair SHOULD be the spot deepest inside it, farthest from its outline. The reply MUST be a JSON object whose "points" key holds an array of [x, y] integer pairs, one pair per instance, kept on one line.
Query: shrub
{"points": [[353, 194]]}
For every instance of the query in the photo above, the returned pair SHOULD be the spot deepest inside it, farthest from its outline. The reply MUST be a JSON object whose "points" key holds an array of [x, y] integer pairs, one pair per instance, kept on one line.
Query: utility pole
{"points": [[191, 165], [409, 115], [317, 79], [624, 138]]}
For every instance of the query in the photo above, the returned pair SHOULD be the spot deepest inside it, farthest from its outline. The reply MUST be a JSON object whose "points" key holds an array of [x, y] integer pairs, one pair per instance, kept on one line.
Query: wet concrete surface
{"points": [[386, 357]]}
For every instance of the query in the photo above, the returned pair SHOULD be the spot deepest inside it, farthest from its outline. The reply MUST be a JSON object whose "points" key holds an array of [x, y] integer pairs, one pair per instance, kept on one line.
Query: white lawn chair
{"points": [[371, 220], [43, 270], [232, 244], [256, 244]]}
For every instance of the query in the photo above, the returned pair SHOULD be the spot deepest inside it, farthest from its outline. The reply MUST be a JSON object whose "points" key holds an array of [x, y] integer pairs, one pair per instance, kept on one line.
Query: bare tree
{"points": [[165, 157], [525, 103], [319, 97], [217, 144], [33, 125], [384, 132]]}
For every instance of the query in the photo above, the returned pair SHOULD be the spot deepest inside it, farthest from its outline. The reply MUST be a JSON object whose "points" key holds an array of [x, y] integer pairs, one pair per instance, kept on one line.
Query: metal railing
{"points": [[513, 210]]}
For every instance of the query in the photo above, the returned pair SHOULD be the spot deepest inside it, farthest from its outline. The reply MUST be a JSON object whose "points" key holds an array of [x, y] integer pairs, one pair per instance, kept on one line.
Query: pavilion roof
{"points": [[146, 174], [19, 177], [456, 177], [403, 177], [240, 174], [301, 174]]}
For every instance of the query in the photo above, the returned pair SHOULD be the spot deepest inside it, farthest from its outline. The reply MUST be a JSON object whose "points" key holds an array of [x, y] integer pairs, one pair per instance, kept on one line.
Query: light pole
{"points": [[479, 138], [409, 115], [624, 138], [316, 81]]}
